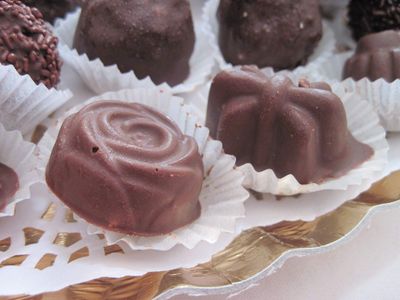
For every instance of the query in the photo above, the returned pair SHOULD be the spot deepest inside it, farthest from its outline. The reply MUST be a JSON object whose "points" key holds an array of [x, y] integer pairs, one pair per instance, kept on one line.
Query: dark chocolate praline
{"points": [[9, 185], [377, 56], [269, 33], [127, 168], [152, 38], [372, 16], [273, 124], [53, 9], [27, 43]]}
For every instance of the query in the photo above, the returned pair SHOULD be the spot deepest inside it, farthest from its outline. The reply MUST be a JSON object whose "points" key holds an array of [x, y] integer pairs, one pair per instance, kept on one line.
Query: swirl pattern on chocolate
{"points": [[127, 168]]}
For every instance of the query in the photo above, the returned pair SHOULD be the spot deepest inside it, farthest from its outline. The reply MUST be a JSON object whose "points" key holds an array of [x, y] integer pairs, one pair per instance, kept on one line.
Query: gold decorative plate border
{"points": [[249, 255]]}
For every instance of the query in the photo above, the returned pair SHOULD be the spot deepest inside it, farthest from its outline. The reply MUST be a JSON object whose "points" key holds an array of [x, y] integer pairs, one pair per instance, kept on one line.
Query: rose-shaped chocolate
{"points": [[127, 168]]}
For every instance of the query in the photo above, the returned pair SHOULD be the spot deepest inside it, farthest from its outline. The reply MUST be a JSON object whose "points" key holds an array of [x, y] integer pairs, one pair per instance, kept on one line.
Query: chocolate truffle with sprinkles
{"points": [[52, 9], [27, 43], [373, 16]]}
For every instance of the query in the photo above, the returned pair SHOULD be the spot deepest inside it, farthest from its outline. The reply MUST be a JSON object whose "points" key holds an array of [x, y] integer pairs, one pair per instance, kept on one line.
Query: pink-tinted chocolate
{"points": [[377, 56], [269, 33], [273, 124], [127, 168], [9, 185]]}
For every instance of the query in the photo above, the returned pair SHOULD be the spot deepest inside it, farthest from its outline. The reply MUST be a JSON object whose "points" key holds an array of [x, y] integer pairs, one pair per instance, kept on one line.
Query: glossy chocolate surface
{"points": [[277, 33], [273, 124], [9, 185], [152, 38], [377, 56], [126, 168], [27, 43]]}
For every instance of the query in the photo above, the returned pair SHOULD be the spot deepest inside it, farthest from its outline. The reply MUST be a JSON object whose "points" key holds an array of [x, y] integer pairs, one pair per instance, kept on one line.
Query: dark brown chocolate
{"points": [[377, 56], [27, 43], [277, 33], [9, 185], [273, 124], [53, 9], [152, 38], [126, 168], [370, 16]]}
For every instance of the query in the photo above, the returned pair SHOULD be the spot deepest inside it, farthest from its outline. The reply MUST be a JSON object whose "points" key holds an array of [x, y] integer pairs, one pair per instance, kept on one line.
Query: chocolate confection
{"points": [[373, 16], [8, 185], [126, 168], [152, 38], [277, 33], [377, 56], [27, 43], [53, 9], [273, 124]]}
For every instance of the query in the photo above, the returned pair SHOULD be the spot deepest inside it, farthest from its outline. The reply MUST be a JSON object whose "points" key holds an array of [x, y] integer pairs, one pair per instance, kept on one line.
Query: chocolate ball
{"points": [[277, 33], [377, 56], [53, 9], [373, 16], [127, 168], [27, 43], [274, 124], [152, 38]]}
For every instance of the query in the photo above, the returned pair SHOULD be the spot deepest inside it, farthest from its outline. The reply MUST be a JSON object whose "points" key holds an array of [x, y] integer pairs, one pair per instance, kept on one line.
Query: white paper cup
{"points": [[382, 95], [222, 196], [102, 79], [324, 50], [23, 103], [21, 156]]}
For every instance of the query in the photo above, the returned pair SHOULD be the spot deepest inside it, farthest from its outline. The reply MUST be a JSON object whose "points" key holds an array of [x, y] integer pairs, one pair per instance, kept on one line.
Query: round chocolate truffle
{"points": [[152, 38], [126, 168], [27, 43], [299, 130], [277, 33], [377, 56], [8, 185], [373, 16], [53, 9]]}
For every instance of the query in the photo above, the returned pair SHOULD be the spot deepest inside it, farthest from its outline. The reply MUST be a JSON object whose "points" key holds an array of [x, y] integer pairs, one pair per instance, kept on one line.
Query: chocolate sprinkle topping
{"points": [[373, 16], [27, 43], [53, 9]]}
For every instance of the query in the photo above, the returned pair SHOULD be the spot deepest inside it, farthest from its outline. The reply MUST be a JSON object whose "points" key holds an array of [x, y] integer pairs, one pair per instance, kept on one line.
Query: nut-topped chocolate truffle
{"points": [[273, 124], [152, 38], [377, 56], [53, 9], [269, 33], [371, 16], [27, 43], [127, 168], [9, 185]]}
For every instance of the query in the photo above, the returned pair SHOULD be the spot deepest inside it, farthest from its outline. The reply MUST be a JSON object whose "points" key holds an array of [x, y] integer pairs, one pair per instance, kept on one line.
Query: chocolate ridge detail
{"points": [[126, 168], [273, 124], [377, 56]]}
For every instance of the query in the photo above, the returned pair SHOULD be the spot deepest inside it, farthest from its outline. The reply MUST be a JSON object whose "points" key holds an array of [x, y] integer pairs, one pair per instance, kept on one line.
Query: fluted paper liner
{"points": [[21, 156], [102, 79], [23, 103], [222, 196], [382, 95], [321, 53]]}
